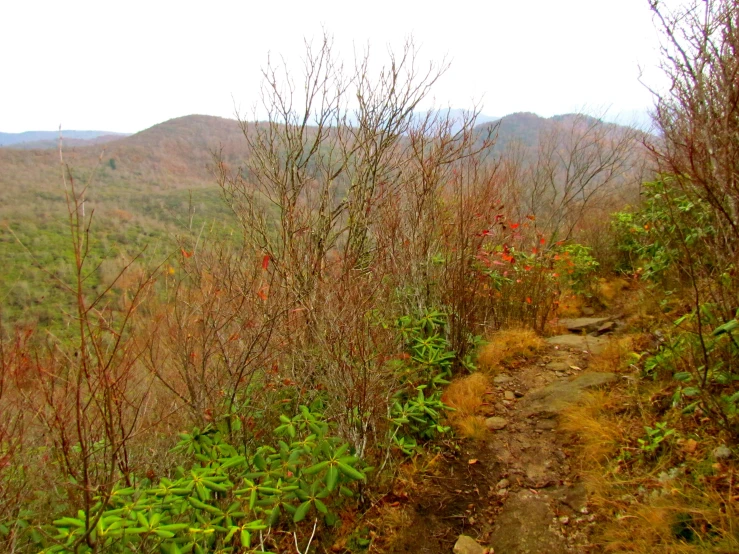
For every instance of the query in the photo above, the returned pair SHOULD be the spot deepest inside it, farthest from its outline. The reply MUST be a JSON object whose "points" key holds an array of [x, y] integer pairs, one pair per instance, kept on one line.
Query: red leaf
{"points": [[542, 240], [265, 261], [528, 300], [185, 253], [515, 225]]}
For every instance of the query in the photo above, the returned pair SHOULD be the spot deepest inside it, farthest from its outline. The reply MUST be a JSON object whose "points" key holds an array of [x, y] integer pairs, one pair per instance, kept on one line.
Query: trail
{"points": [[517, 491]]}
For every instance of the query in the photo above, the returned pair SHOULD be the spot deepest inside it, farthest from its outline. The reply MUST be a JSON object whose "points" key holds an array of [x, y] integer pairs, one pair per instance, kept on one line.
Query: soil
{"points": [[517, 491]]}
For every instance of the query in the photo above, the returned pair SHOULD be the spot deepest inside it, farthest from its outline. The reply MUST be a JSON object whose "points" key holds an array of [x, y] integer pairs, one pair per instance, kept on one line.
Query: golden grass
{"points": [[647, 506], [570, 305], [608, 290], [507, 347], [466, 396], [600, 434], [617, 354], [472, 427]]}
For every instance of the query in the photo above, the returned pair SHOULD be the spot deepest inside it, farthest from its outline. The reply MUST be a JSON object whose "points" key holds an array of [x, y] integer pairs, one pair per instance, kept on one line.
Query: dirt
{"points": [[517, 491]]}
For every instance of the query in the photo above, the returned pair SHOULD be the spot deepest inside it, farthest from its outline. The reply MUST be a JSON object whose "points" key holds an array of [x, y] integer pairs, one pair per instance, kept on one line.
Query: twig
{"points": [[310, 540]]}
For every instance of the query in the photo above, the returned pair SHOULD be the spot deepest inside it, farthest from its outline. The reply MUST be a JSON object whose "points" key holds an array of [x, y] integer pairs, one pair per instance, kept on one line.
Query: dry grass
{"points": [[466, 396], [674, 518], [609, 290], [674, 504], [570, 305], [600, 433], [617, 355], [509, 347]]}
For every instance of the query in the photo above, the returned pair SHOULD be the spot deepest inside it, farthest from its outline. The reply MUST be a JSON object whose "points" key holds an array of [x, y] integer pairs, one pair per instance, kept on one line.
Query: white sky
{"points": [[127, 65]]}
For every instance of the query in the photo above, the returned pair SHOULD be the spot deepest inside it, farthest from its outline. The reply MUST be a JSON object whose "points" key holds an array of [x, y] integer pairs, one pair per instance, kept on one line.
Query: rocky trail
{"points": [[517, 491]]}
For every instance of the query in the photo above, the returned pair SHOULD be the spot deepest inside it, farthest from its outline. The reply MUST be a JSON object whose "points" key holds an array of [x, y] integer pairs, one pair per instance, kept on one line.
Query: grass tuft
{"points": [[509, 348]]}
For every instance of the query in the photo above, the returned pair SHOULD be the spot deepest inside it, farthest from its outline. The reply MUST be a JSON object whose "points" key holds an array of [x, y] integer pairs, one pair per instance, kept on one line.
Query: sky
{"points": [[125, 66]]}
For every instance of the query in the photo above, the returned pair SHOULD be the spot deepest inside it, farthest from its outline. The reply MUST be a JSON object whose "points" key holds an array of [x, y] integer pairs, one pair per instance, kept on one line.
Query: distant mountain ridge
{"points": [[178, 153], [41, 139]]}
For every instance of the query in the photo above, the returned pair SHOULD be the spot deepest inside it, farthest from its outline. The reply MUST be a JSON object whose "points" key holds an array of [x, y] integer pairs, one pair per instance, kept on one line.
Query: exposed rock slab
{"points": [[552, 399], [595, 345], [583, 324], [524, 527], [467, 545]]}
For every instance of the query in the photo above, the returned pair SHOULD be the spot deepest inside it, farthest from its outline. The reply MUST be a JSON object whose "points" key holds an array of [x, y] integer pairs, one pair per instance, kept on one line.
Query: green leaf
{"points": [[301, 512], [332, 477], [69, 522], [321, 507], [350, 472], [315, 468]]}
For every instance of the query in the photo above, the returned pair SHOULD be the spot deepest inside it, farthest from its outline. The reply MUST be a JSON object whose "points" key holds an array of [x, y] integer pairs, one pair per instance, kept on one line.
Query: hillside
{"points": [[525, 127], [144, 189]]}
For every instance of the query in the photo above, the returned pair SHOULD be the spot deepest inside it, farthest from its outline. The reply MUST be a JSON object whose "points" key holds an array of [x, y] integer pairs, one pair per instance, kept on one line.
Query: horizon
{"points": [[638, 120], [542, 58]]}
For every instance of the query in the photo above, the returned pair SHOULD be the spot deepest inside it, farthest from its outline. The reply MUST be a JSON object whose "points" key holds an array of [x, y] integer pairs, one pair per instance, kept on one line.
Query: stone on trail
{"points": [[553, 398], [558, 366], [524, 527], [583, 324], [467, 545], [496, 423], [594, 345], [502, 379]]}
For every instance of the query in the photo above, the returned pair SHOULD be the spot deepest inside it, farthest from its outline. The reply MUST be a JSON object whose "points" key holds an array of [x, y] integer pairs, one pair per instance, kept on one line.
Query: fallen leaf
{"points": [[690, 446], [472, 461]]}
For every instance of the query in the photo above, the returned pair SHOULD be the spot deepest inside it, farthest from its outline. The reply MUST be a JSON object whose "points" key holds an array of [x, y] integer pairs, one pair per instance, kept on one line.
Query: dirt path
{"points": [[516, 492]]}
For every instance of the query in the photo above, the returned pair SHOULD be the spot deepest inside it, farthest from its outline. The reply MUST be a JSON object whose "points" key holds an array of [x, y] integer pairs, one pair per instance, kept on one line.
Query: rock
{"points": [[509, 395], [572, 497], [579, 342], [496, 423], [503, 484], [583, 324], [588, 311], [502, 379], [553, 398], [524, 526], [546, 424], [467, 545], [722, 452], [558, 366], [517, 394], [607, 327]]}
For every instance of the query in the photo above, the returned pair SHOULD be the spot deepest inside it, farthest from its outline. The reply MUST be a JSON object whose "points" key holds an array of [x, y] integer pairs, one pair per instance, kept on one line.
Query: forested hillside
{"points": [[351, 328]]}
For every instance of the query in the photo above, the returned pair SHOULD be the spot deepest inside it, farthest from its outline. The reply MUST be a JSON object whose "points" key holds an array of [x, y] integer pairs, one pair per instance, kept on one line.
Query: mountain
{"points": [[525, 128], [46, 139]]}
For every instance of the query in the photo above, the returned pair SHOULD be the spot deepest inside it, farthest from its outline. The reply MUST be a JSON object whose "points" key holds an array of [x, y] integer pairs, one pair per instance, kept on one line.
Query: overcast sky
{"points": [[125, 66]]}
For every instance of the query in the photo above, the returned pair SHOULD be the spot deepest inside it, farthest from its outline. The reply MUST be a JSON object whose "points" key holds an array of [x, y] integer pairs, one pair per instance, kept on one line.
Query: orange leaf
{"points": [[528, 300], [265, 261], [542, 240], [515, 225], [185, 253]]}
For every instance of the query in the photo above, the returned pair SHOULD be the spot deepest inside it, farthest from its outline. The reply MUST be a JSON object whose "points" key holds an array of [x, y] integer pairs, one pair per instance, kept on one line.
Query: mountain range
{"points": [[50, 139]]}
